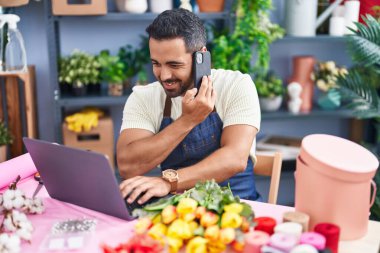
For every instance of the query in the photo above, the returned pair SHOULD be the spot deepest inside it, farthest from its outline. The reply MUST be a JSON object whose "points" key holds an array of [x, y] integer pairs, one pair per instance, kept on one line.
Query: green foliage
{"points": [[79, 68], [134, 60], [252, 28], [360, 87], [5, 135], [112, 69], [268, 85]]}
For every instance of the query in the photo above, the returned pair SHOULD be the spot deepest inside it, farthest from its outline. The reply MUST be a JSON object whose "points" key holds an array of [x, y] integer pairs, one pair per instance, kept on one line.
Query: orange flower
{"points": [[244, 225], [143, 225], [215, 247], [209, 219], [174, 244], [237, 246], [200, 211], [231, 220], [234, 208], [227, 235], [169, 214], [180, 229], [186, 205], [212, 233], [197, 245]]}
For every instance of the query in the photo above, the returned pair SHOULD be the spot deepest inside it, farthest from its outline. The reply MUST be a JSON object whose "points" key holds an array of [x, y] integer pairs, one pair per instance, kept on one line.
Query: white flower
{"points": [[15, 220], [9, 243], [330, 65], [343, 71], [34, 206], [24, 233], [13, 199], [322, 85]]}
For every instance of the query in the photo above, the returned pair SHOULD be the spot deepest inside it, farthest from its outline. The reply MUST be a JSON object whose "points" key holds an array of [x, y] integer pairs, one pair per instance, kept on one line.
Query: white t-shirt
{"points": [[237, 103]]}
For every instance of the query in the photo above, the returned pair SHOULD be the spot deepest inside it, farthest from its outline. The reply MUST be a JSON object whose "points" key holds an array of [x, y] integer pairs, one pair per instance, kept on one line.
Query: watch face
{"points": [[170, 174]]}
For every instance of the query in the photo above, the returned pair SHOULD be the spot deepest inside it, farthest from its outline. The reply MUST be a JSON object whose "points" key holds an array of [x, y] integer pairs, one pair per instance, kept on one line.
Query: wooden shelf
{"points": [[316, 112], [148, 16], [318, 39]]}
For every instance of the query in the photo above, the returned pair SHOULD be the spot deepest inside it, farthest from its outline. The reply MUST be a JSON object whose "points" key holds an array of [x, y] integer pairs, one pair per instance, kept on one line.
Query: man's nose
{"points": [[165, 74]]}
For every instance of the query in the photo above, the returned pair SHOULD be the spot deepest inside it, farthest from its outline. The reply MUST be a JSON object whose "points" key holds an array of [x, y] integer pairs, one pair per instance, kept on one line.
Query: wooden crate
{"points": [[98, 139], [96, 7], [14, 109]]}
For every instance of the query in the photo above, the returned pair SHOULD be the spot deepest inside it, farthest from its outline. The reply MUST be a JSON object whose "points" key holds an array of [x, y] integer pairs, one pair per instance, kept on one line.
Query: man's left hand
{"points": [[149, 186]]}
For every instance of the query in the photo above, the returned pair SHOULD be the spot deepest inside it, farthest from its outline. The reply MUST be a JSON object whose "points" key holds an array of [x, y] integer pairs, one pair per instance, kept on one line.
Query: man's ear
{"points": [[204, 49]]}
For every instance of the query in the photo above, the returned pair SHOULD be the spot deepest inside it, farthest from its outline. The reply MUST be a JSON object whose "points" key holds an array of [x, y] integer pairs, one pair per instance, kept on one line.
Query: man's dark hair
{"points": [[179, 23]]}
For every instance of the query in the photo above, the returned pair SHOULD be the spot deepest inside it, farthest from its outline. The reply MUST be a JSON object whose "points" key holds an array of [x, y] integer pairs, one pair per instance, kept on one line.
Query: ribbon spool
{"points": [[313, 238], [283, 242], [331, 232], [297, 217], [265, 224], [254, 240]]}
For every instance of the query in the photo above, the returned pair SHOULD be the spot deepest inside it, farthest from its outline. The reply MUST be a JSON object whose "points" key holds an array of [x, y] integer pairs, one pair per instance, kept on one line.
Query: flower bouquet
{"points": [[325, 76], [206, 218]]}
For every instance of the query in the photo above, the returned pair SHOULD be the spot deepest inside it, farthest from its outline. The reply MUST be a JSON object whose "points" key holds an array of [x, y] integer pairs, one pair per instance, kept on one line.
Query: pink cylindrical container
{"points": [[333, 183]]}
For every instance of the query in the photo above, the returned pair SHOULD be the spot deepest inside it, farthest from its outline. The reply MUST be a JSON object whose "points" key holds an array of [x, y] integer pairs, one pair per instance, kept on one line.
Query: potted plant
{"points": [[79, 70], [252, 32], [270, 91], [112, 72], [5, 139], [325, 76], [134, 60]]}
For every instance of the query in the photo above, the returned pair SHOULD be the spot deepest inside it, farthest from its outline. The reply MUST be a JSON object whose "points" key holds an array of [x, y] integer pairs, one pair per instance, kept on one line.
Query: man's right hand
{"points": [[197, 108]]}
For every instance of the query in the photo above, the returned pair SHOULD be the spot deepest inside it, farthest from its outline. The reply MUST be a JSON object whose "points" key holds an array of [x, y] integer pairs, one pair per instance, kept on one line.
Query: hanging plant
{"points": [[252, 28]]}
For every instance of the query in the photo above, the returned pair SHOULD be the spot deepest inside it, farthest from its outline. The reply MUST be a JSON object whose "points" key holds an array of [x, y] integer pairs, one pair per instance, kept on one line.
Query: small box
{"points": [[288, 146], [95, 7], [98, 139]]}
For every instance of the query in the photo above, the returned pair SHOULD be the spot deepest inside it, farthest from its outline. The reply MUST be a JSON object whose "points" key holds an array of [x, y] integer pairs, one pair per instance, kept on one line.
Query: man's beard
{"points": [[183, 87]]}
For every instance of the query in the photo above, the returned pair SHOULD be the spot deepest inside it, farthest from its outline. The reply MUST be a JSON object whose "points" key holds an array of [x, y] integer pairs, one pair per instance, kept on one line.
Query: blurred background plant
{"points": [[253, 28], [5, 135], [79, 69], [268, 85], [111, 68], [361, 89]]}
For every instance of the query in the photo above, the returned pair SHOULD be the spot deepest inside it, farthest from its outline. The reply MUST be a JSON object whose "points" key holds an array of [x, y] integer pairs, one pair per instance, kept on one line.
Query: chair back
{"points": [[270, 165]]}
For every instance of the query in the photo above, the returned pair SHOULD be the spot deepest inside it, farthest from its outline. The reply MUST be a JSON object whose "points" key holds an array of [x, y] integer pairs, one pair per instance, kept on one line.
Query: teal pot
{"points": [[330, 100]]}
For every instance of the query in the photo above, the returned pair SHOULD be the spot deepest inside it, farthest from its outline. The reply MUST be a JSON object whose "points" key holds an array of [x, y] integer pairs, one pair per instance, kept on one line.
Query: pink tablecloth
{"points": [[109, 229]]}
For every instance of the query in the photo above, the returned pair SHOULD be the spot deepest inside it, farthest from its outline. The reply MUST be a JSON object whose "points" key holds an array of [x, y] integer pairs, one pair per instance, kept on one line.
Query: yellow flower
{"points": [[209, 219], [215, 247], [158, 231], [169, 214], [174, 244], [200, 211], [188, 217], [330, 65], [233, 208], [186, 205], [193, 226], [197, 245], [143, 225], [231, 220], [157, 219], [227, 235], [212, 233], [180, 229]]}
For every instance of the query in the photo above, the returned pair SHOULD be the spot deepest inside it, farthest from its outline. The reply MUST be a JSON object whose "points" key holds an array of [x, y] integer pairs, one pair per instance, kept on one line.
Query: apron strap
{"points": [[168, 107]]}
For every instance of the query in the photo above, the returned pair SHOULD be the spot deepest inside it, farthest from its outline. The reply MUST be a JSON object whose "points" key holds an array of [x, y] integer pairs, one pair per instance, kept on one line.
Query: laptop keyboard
{"points": [[132, 206]]}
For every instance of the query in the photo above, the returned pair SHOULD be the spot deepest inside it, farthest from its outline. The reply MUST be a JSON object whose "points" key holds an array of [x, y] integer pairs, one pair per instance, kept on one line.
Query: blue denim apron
{"points": [[203, 140]]}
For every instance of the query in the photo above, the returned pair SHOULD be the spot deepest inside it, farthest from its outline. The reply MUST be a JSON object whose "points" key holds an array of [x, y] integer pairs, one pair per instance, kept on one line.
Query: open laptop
{"points": [[80, 177]]}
